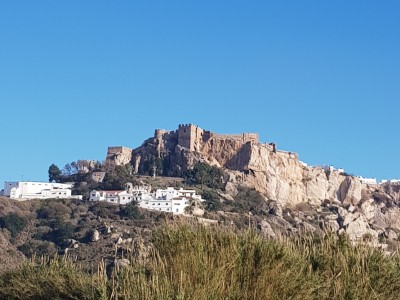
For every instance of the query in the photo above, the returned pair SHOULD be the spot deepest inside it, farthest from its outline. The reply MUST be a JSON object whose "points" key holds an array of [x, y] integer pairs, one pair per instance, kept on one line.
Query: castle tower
{"points": [[190, 136]]}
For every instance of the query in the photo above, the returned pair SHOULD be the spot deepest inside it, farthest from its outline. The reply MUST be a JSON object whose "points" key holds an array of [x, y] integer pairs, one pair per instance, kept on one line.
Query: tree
{"points": [[204, 174], [54, 173], [117, 179], [67, 170]]}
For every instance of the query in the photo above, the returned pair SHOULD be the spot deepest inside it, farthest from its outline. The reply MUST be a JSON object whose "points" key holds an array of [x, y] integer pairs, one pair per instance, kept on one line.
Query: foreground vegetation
{"points": [[196, 262]]}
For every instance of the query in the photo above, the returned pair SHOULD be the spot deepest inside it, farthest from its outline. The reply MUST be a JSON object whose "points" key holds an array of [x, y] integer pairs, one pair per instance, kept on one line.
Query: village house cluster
{"points": [[167, 200]]}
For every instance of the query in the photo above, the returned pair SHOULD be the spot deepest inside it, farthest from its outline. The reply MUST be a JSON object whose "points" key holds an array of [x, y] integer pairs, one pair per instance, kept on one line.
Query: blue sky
{"points": [[321, 78]]}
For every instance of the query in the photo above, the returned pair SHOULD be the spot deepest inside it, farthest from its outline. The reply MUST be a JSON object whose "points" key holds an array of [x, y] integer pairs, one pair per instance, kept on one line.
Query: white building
{"points": [[391, 181], [331, 168], [175, 205], [118, 197], [24, 190], [368, 180], [170, 192], [170, 200]]}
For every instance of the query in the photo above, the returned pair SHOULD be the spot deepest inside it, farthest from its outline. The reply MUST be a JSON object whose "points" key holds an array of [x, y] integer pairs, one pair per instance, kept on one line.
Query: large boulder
{"points": [[350, 191], [359, 229]]}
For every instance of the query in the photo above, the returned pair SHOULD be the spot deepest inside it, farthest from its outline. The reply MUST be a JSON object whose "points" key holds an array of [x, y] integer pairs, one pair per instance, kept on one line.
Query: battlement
{"points": [[187, 126], [160, 132], [243, 137], [118, 150]]}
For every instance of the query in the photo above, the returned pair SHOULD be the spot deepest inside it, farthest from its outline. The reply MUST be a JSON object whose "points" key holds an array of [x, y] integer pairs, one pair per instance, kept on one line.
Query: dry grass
{"points": [[197, 262]]}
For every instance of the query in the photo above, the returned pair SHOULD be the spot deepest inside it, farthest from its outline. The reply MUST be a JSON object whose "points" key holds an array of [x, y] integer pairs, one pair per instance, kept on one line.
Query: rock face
{"points": [[360, 209]]}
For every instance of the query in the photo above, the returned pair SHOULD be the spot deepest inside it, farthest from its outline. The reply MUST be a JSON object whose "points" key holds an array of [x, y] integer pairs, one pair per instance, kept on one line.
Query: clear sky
{"points": [[321, 78]]}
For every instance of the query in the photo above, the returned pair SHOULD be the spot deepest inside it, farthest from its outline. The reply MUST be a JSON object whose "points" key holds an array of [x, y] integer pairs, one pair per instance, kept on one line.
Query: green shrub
{"points": [[212, 202], [38, 248], [105, 210], [13, 223], [131, 211], [54, 209]]}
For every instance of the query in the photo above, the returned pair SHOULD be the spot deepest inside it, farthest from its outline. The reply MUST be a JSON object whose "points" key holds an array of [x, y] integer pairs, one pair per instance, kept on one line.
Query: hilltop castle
{"points": [[191, 136], [188, 136]]}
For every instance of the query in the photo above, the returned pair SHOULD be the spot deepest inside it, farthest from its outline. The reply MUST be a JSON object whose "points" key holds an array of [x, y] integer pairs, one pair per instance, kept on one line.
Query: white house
{"points": [[118, 197], [331, 168], [368, 180], [170, 192], [24, 190], [170, 200], [175, 205]]}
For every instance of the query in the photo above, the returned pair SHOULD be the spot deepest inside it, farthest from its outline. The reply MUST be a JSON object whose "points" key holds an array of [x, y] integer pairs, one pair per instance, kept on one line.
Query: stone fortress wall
{"points": [[119, 155], [192, 136], [118, 150], [243, 137]]}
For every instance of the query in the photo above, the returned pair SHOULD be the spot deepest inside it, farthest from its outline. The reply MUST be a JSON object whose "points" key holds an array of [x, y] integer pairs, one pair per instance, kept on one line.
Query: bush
{"points": [[13, 223], [54, 209], [131, 211], [38, 248], [212, 202], [61, 232], [248, 199], [105, 210]]}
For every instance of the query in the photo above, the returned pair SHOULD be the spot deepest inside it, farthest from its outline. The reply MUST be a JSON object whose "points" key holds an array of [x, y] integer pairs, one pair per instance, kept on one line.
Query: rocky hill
{"points": [[362, 210], [259, 186]]}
